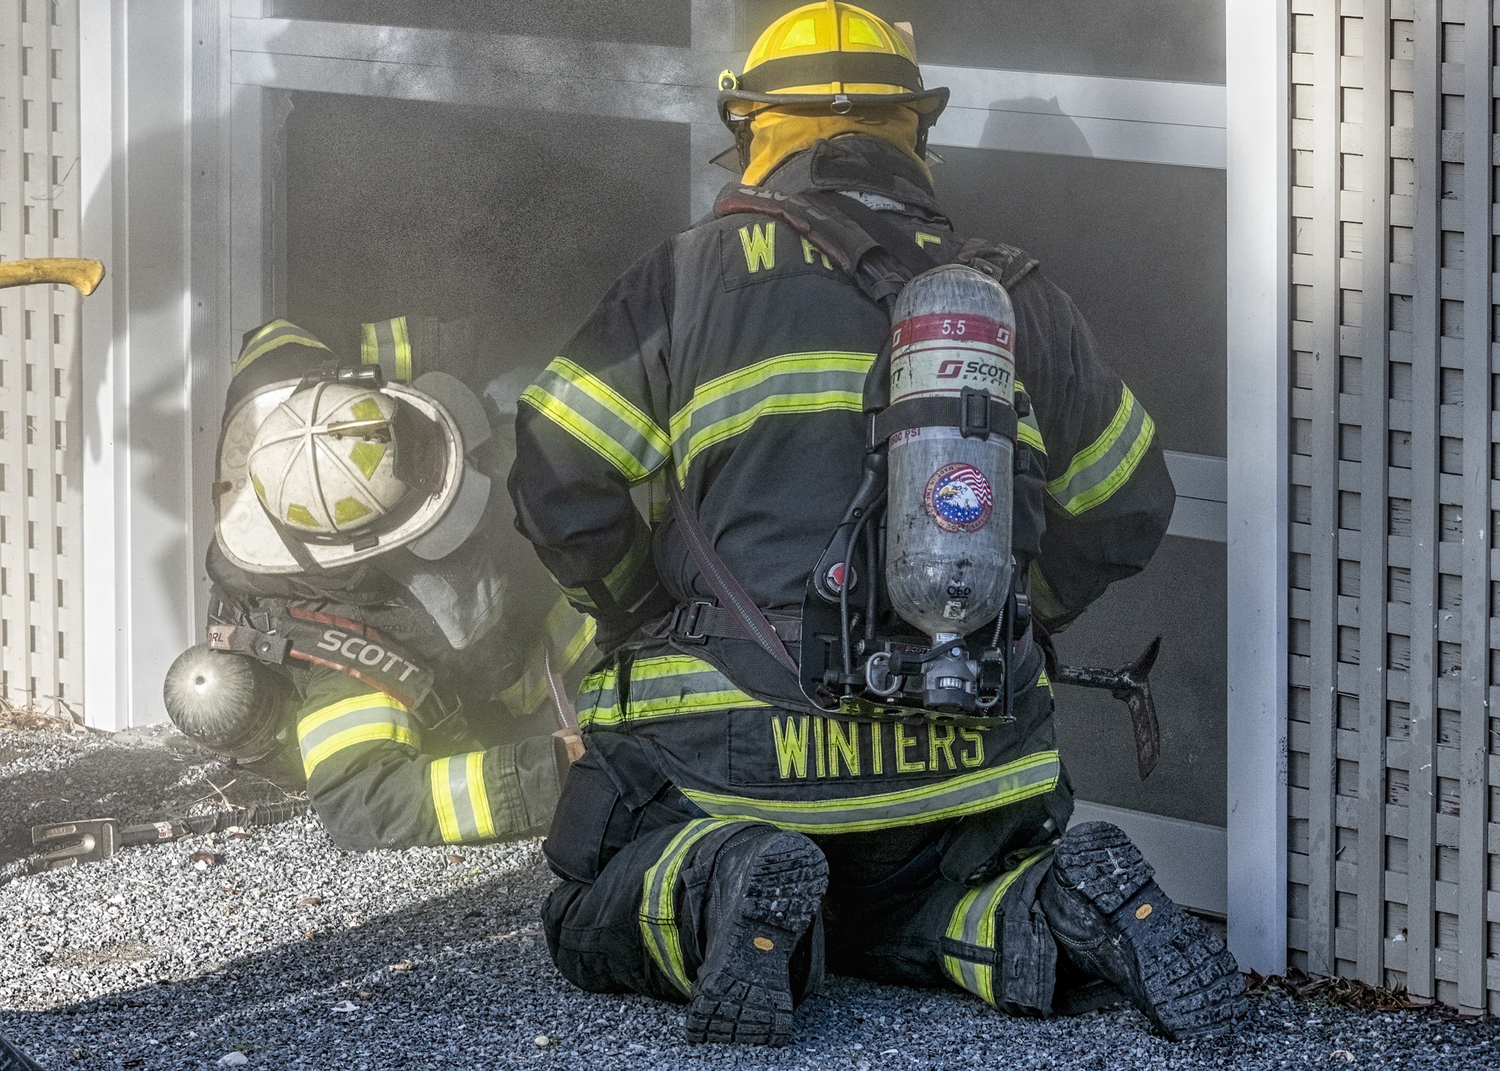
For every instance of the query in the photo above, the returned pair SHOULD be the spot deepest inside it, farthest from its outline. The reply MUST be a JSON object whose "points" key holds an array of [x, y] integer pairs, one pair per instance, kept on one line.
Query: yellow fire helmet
{"points": [[830, 54], [322, 474]]}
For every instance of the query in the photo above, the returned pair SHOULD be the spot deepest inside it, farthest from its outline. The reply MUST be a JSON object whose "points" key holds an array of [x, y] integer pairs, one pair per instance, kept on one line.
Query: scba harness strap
{"points": [[330, 641], [846, 231]]}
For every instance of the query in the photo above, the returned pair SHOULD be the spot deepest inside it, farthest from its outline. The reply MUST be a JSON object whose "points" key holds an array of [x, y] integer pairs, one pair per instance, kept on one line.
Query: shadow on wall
{"points": [[1032, 124], [149, 374]]}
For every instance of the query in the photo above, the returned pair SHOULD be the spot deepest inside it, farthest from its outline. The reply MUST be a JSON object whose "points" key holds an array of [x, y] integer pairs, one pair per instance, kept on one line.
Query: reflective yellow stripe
{"points": [[661, 687], [479, 795], [584, 632], [1028, 430], [600, 417], [369, 345], [983, 790], [973, 923], [359, 719], [566, 635], [275, 334], [403, 349], [781, 406], [1045, 602], [442, 800], [658, 911], [792, 383], [1098, 471], [460, 798], [388, 344]]}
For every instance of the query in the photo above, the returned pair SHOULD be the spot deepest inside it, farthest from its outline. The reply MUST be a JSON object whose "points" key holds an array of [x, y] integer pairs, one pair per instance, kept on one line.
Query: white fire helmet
{"points": [[324, 462], [339, 472]]}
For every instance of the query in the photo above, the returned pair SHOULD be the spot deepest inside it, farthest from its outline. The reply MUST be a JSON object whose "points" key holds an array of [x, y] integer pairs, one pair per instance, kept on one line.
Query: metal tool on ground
{"points": [[13, 1059], [77, 272], [70, 844], [1130, 685]]}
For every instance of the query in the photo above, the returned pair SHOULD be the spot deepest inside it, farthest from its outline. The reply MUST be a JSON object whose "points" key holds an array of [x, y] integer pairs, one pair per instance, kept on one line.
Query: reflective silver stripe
{"points": [[599, 699], [973, 923], [681, 684], [360, 719], [792, 383], [461, 799], [660, 687], [658, 913], [1098, 471], [388, 344], [274, 335], [983, 790], [600, 417], [566, 635], [1027, 429]]}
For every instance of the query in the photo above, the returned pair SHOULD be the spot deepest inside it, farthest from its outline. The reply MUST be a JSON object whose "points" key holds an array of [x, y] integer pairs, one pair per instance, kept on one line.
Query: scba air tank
{"points": [[948, 517]]}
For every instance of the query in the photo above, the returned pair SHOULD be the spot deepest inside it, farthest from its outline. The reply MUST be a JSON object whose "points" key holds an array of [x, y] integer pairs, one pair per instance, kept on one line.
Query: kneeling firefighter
{"points": [[376, 630], [893, 459]]}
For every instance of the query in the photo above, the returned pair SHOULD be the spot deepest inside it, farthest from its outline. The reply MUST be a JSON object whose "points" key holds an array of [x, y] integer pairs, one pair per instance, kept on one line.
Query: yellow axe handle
{"points": [[74, 271]]}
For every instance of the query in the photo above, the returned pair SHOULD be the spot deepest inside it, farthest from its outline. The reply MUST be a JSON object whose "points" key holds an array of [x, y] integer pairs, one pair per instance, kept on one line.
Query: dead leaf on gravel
{"points": [[208, 859], [1343, 992], [452, 858], [310, 901], [59, 720], [238, 833], [404, 965]]}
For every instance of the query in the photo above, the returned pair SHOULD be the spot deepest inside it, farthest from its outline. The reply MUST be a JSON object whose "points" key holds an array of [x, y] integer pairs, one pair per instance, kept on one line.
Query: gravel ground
{"points": [[273, 949]]}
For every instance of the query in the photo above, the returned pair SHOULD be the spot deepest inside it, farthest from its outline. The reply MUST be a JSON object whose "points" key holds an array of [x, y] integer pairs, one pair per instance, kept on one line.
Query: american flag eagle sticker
{"points": [[958, 498]]}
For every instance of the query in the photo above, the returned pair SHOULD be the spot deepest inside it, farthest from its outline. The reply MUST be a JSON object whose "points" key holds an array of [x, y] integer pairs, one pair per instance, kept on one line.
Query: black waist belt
{"points": [[696, 621], [975, 413]]}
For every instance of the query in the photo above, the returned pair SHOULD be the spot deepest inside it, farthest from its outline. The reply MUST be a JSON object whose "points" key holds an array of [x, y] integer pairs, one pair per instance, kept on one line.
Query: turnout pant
{"points": [[933, 904]]}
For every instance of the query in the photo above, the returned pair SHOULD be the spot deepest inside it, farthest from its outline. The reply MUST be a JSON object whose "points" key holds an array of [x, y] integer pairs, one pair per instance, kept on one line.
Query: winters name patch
{"points": [[807, 747]]}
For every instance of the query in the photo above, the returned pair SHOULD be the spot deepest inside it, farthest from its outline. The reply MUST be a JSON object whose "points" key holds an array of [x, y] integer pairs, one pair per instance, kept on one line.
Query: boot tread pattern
{"points": [[1191, 985], [743, 993]]}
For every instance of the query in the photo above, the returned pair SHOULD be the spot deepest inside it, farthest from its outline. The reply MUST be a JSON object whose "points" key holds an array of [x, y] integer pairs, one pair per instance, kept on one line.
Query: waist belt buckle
{"points": [[684, 623], [974, 413]]}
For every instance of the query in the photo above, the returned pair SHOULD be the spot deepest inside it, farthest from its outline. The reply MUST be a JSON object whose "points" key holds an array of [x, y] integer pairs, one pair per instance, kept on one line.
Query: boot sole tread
{"points": [[1192, 985], [743, 995]]}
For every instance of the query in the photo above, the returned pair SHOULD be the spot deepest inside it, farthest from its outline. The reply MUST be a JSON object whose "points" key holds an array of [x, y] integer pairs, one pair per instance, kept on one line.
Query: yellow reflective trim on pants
{"points": [[658, 911], [460, 798], [275, 334], [982, 790], [359, 719], [1112, 458], [973, 923]]}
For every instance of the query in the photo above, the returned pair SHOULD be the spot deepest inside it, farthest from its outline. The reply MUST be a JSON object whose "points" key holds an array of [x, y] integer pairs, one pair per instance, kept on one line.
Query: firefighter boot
{"points": [[764, 939], [1111, 919]]}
